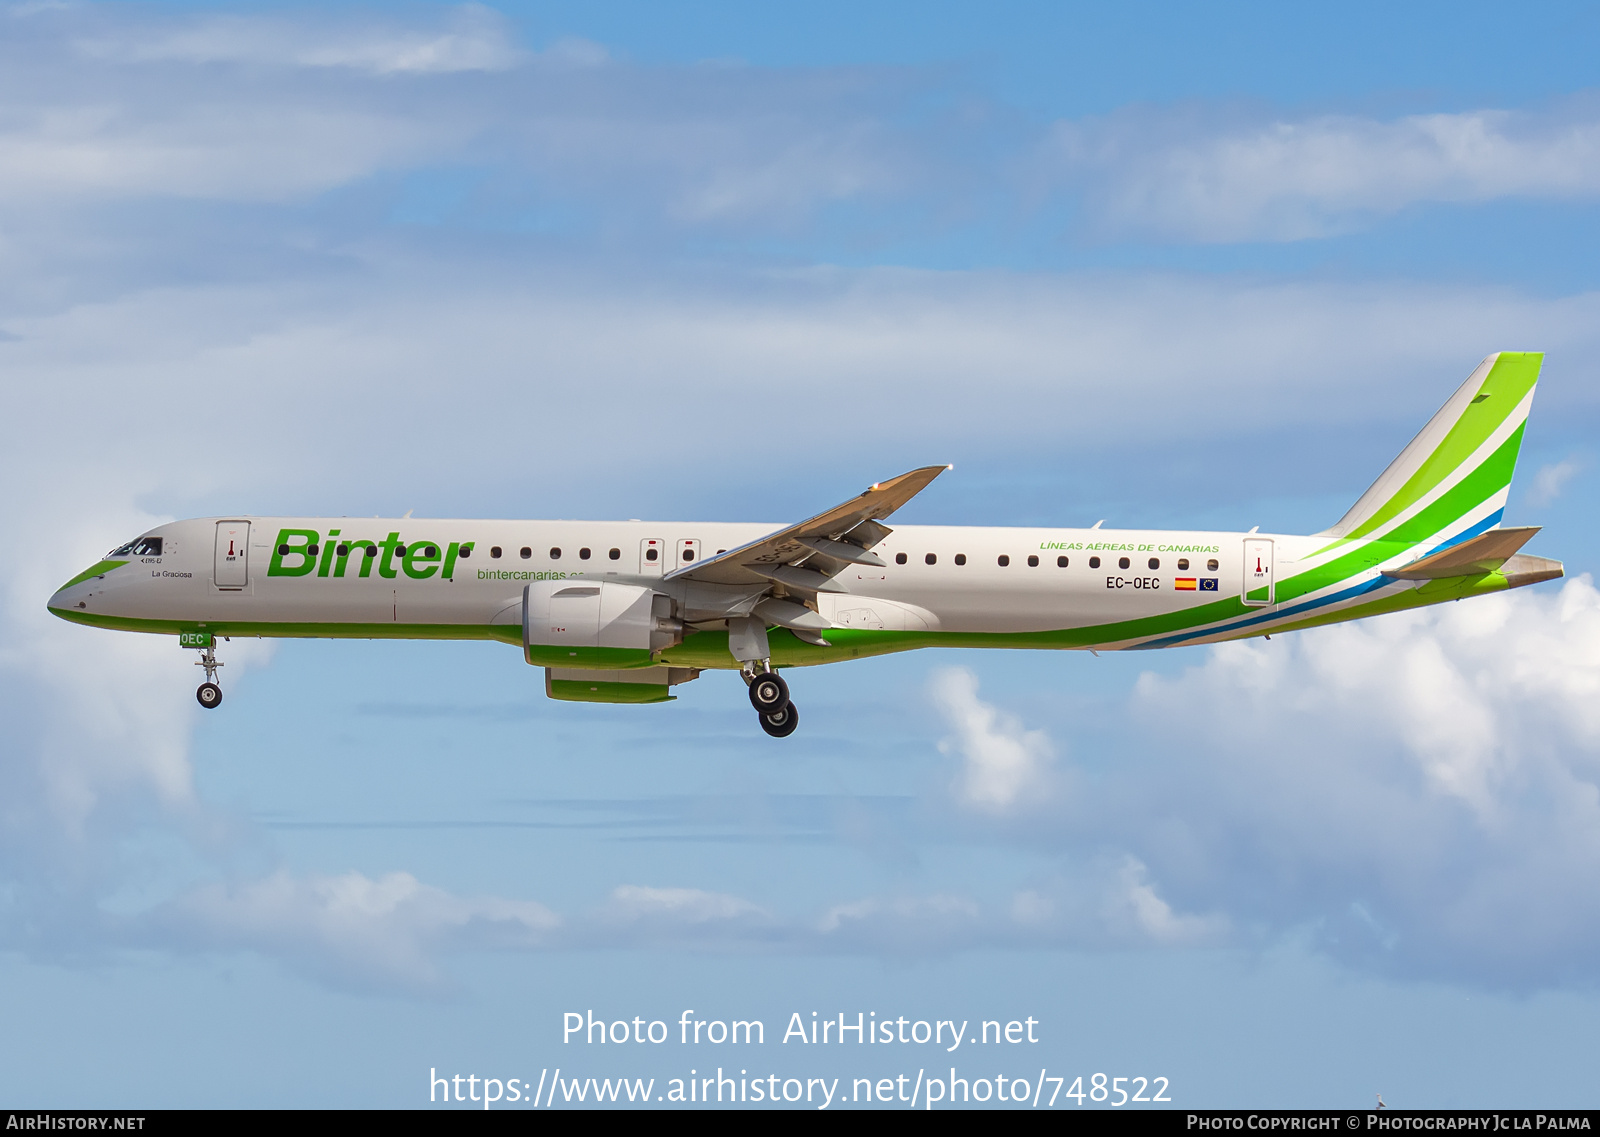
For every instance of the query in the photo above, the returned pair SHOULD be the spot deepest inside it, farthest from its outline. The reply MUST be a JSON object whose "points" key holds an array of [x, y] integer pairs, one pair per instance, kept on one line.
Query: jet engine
{"points": [[579, 613]]}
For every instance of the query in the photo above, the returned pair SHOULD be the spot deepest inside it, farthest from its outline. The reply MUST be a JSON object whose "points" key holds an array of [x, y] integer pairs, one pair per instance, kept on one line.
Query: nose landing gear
{"points": [[769, 695], [208, 693]]}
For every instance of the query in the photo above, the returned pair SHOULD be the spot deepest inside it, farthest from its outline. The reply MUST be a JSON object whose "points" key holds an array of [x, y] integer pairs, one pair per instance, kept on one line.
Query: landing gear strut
{"points": [[769, 695], [208, 693]]}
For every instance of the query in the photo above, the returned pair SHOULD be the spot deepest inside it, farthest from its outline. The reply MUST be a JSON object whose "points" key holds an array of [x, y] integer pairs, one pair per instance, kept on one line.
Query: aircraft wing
{"points": [[805, 557]]}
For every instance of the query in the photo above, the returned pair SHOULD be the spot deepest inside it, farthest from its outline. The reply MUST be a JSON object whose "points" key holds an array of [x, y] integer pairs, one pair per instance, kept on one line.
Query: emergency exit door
{"points": [[231, 569], [652, 555], [1257, 572]]}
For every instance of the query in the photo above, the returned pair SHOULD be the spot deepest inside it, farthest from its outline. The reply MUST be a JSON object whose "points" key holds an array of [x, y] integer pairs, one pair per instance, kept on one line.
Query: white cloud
{"points": [[203, 150], [941, 364], [1435, 773], [277, 109], [632, 902], [1002, 760], [474, 38], [352, 928], [1551, 479], [1293, 179], [1135, 906]]}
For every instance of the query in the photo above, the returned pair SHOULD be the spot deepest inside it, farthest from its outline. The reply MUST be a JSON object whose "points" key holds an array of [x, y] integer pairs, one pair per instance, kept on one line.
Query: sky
{"points": [[1157, 265]]}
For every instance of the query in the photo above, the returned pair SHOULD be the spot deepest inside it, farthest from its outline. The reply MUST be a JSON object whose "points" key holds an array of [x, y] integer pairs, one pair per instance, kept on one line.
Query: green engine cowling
{"points": [[640, 685], [598, 640]]}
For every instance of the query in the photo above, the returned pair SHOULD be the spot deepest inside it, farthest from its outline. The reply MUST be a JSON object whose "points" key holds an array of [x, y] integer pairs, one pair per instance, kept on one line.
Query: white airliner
{"points": [[621, 611]]}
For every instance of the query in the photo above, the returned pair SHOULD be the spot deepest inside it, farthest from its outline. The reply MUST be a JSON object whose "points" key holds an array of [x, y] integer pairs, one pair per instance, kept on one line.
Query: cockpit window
{"points": [[143, 547]]}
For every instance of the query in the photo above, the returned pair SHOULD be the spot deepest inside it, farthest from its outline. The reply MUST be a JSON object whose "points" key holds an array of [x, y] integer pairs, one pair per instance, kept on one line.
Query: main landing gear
{"points": [[208, 693], [769, 695]]}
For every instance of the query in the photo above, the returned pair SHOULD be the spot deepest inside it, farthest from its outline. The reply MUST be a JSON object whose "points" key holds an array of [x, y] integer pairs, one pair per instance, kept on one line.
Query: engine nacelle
{"points": [[578, 614]]}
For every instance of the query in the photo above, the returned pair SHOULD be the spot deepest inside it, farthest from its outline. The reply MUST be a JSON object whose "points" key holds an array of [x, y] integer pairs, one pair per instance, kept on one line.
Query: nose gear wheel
{"points": [[208, 693]]}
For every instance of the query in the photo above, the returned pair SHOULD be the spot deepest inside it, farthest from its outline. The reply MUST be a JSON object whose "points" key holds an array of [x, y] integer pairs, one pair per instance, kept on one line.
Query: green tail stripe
{"points": [[1492, 475], [1509, 381]]}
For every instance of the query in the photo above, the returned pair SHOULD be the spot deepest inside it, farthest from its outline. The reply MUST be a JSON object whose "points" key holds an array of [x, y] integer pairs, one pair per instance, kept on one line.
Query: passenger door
{"points": [[230, 569], [1257, 571]]}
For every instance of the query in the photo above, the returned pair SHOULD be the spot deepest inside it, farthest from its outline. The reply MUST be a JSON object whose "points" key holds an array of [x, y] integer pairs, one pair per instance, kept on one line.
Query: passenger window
{"points": [[555, 552], [1211, 566], [372, 550], [312, 549], [899, 558], [615, 554], [526, 552], [466, 550], [583, 554], [1155, 562], [1033, 562], [1061, 562], [399, 550], [343, 550], [931, 558], [494, 552], [688, 554], [1123, 562], [961, 558], [1094, 562], [283, 550], [1003, 560], [1183, 564], [651, 554], [431, 551]]}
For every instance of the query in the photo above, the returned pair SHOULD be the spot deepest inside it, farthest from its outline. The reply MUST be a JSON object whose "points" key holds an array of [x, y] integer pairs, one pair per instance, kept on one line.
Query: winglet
{"points": [[784, 550], [886, 496]]}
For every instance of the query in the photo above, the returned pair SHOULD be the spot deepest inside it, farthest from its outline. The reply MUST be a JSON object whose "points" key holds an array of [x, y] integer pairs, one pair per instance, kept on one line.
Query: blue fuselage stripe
{"points": [[1311, 605]]}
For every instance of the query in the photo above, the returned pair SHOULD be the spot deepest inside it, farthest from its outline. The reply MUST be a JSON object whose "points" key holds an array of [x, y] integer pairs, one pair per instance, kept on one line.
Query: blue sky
{"points": [[1153, 266]]}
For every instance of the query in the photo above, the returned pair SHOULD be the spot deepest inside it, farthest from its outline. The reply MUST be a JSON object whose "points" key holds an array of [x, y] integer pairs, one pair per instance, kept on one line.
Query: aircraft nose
{"points": [[73, 596], [66, 598]]}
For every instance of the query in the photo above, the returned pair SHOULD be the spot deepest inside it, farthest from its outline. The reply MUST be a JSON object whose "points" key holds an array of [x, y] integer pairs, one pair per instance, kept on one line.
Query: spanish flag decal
{"points": [[1185, 584]]}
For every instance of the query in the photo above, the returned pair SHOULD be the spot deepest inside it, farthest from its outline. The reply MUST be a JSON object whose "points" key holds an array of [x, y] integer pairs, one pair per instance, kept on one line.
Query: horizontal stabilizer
{"points": [[1481, 554], [1524, 569]]}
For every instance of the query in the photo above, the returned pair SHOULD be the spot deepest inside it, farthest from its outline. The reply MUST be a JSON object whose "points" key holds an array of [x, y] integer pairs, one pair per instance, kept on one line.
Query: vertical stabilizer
{"points": [[1452, 480]]}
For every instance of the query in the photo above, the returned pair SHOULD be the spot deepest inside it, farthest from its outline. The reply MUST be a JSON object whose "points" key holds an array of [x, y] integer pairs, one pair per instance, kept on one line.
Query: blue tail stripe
{"points": [[1310, 605], [1467, 534]]}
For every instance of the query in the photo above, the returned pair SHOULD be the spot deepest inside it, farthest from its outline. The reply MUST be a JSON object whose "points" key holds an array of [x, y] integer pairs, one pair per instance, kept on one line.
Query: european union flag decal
{"points": [[1208, 584]]}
